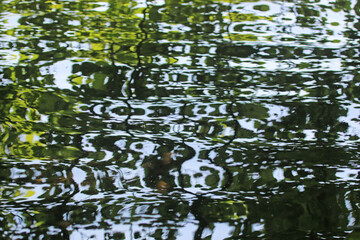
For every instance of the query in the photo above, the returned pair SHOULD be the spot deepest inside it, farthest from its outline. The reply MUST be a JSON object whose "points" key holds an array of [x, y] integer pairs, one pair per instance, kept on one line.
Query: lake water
{"points": [[178, 119]]}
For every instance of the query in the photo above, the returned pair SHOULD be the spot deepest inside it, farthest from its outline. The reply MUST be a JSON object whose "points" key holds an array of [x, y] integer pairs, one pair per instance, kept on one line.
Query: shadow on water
{"points": [[170, 119]]}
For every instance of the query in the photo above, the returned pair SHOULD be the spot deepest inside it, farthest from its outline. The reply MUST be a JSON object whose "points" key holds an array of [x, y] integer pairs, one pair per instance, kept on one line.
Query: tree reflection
{"points": [[158, 115]]}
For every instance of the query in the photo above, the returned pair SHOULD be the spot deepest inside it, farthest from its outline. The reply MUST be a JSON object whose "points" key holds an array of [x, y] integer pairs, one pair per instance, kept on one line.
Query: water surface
{"points": [[211, 119]]}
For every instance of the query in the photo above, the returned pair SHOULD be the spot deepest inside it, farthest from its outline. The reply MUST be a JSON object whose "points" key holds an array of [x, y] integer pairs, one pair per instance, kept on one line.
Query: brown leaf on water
{"points": [[39, 180], [167, 158], [162, 185]]}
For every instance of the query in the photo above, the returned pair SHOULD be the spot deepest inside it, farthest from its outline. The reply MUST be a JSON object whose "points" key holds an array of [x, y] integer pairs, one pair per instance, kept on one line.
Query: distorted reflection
{"points": [[164, 119]]}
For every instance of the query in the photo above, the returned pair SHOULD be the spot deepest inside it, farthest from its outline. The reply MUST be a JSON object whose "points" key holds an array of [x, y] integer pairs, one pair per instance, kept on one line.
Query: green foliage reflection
{"points": [[165, 116]]}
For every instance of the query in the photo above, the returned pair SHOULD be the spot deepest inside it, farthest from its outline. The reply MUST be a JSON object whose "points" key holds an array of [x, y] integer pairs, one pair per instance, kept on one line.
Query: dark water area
{"points": [[177, 119]]}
